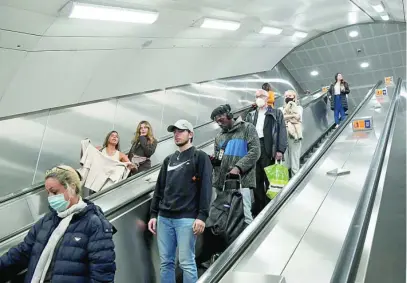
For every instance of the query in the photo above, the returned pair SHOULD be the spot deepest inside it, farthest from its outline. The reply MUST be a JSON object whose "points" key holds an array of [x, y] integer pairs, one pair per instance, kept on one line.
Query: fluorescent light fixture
{"points": [[220, 24], [300, 34], [271, 30], [364, 65], [385, 17], [314, 73], [352, 18], [113, 14], [378, 8], [353, 33]]}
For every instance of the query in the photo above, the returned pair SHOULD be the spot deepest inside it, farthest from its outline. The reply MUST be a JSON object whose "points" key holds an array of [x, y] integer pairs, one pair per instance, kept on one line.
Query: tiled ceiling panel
{"points": [[381, 45]]}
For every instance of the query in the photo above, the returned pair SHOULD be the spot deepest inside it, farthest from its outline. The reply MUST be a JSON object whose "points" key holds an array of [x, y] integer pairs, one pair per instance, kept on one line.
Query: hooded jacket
{"points": [[274, 130], [242, 151], [85, 254]]}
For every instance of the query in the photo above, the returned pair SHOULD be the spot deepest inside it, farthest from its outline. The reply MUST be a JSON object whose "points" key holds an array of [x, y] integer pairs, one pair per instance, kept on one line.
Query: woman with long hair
{"points": [[111, 149], [338, 92], [143, 147]]}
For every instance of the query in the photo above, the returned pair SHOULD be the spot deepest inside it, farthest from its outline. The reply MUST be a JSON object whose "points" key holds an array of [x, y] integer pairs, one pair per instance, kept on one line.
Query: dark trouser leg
{"points": [[260, 198]]}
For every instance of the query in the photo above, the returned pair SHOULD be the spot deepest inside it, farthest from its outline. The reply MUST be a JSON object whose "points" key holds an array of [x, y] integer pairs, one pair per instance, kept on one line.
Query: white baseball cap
{"points": [[181, 125]]}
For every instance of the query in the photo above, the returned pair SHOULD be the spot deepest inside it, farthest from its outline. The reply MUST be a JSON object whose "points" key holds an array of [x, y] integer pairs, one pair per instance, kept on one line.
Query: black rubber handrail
{"points": [[37, 187], [349, 258], [227, 259]]}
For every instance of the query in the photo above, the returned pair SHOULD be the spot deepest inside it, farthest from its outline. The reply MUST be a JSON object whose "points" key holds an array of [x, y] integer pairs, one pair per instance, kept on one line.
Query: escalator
{"points": [[302, 234], [130, 200]]}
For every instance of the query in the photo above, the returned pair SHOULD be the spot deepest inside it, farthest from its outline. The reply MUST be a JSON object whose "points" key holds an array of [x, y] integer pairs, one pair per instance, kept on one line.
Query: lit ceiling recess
{"points": [[271, 30], [220, 24], [113, 14], [300, 34], [353, 33], [314, 73], [380, 9], [364, 65]]}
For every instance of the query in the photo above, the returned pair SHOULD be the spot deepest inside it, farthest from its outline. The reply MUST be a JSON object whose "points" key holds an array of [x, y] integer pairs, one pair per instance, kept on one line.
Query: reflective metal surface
{"points": [[313, 114], [36, 142], [302, 243]]}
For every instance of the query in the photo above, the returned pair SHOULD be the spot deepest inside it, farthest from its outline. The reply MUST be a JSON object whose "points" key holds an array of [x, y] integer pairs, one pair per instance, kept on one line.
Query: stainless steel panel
{"points": [[243, 277], [131, 110], [20, 140], [14, 216], [67, 127]]}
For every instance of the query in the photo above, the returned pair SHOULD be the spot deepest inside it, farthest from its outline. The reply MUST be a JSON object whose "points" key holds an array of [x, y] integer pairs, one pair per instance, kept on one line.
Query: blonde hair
{"points": [[293, 92], [67, 176], [150, 135]]}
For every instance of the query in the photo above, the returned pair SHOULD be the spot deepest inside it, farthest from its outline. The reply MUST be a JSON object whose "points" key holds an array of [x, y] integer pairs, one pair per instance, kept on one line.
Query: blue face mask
{"points": [[58, 202]]}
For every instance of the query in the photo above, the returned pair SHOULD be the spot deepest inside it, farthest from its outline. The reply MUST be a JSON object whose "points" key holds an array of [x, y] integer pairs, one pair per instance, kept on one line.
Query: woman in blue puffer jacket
{"points": [[71, 244]]}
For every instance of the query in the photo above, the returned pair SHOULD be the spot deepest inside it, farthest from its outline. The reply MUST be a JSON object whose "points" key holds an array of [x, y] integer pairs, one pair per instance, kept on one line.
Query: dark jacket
{"points": [[242, 151], [184, 186], [274, 130], [145, 149], [344, 99], [84, 254]]}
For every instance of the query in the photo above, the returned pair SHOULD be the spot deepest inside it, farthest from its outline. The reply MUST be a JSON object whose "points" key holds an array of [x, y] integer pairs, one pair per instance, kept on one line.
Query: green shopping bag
{"points": [[278, 177]]}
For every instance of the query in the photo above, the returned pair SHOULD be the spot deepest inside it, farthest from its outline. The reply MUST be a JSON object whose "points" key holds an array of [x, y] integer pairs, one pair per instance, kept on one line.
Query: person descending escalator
{"points": [[180, 204], [338, 94], [236, 150], [270, 128]]}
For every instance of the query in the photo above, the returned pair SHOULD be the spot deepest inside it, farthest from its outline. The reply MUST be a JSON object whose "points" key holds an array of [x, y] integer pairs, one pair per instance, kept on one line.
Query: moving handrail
{"points": [[150, 171], [348, 262], [40, 186], [221, 266]]}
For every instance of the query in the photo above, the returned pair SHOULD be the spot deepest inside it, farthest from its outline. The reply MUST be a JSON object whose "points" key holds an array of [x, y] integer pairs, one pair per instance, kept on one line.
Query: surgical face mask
{"points": [[260, 102], [58, 202], [289, 99]]}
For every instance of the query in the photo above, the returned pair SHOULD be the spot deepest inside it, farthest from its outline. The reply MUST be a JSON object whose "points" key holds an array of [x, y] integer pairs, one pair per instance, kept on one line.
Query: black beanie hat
{"points": [[220, 110]]}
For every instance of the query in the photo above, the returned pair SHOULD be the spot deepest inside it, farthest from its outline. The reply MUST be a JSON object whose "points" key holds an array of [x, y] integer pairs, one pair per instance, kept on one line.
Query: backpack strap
{"points": [[195, 159]]}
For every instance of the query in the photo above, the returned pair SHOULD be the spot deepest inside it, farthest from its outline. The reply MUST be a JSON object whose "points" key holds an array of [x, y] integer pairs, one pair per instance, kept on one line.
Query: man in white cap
{"points": [[180, 204]]}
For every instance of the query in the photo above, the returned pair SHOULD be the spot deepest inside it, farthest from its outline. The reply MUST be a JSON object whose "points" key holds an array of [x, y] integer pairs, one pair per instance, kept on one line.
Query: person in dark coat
{"points": [[338, 92], [70, 244], [143, 147]]}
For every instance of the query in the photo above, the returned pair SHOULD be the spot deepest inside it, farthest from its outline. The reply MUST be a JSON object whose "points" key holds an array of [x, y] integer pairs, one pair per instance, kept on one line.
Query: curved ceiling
{"points": [[49, 60]]}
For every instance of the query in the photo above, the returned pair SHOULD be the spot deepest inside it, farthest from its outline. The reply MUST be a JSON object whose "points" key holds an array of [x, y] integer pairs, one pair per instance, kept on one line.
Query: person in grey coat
{"points": [[237, 149]]}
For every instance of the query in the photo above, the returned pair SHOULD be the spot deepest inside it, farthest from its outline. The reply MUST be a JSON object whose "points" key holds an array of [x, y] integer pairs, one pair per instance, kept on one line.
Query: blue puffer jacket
{"points": [[84, 254]]}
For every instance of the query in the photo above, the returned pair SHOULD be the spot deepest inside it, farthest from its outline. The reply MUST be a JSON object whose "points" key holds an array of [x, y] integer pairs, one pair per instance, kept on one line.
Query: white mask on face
{"points": [[260, 102]]}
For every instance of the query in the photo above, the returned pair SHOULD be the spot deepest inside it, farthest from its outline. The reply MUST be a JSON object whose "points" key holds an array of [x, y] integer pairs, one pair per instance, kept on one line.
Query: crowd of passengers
{"points": [[74, 241]]}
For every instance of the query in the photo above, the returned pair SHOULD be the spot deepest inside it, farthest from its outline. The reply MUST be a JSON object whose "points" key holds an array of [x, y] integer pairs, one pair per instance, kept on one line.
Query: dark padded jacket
{"points": [[84, 254], [344, 99], [274, 131]]}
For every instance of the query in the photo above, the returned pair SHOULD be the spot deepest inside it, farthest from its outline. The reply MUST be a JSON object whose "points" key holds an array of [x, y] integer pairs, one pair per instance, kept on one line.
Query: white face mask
{"points": [[260, 102]]}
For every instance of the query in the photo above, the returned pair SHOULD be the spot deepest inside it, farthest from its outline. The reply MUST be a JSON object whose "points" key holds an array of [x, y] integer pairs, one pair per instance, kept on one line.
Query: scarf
{"points": [[48, 252]]}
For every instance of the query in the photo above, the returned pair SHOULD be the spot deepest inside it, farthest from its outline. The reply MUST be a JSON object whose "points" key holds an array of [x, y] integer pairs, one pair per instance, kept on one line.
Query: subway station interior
{"points": [[68, 74]]}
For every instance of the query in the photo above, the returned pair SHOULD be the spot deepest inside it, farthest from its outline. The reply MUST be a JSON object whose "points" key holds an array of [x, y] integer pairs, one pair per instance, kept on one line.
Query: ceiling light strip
{"points": [[271, 30], [113, 14], [220, 24]]}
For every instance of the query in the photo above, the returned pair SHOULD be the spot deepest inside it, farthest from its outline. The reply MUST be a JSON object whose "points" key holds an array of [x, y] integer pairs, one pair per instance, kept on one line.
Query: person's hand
{"points": [[235, 171], [152, 225], [198, 227], [279, 155]]}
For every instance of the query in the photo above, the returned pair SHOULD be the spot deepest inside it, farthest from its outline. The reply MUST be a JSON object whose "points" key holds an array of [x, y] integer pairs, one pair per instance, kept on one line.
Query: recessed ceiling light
{"points": [[378, 8], [364, 65], [114, 14], [385, 17], [314, 73], [353, 33], [300, 34], [220, 24], [271, 30]]}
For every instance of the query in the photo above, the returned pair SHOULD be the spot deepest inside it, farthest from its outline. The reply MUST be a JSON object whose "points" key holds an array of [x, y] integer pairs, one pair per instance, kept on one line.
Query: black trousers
{"points": [[262, 183]]}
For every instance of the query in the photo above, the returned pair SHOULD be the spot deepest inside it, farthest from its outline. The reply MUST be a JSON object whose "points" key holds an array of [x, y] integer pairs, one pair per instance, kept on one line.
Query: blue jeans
{"points": [[338, 110], [170, 233]]}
